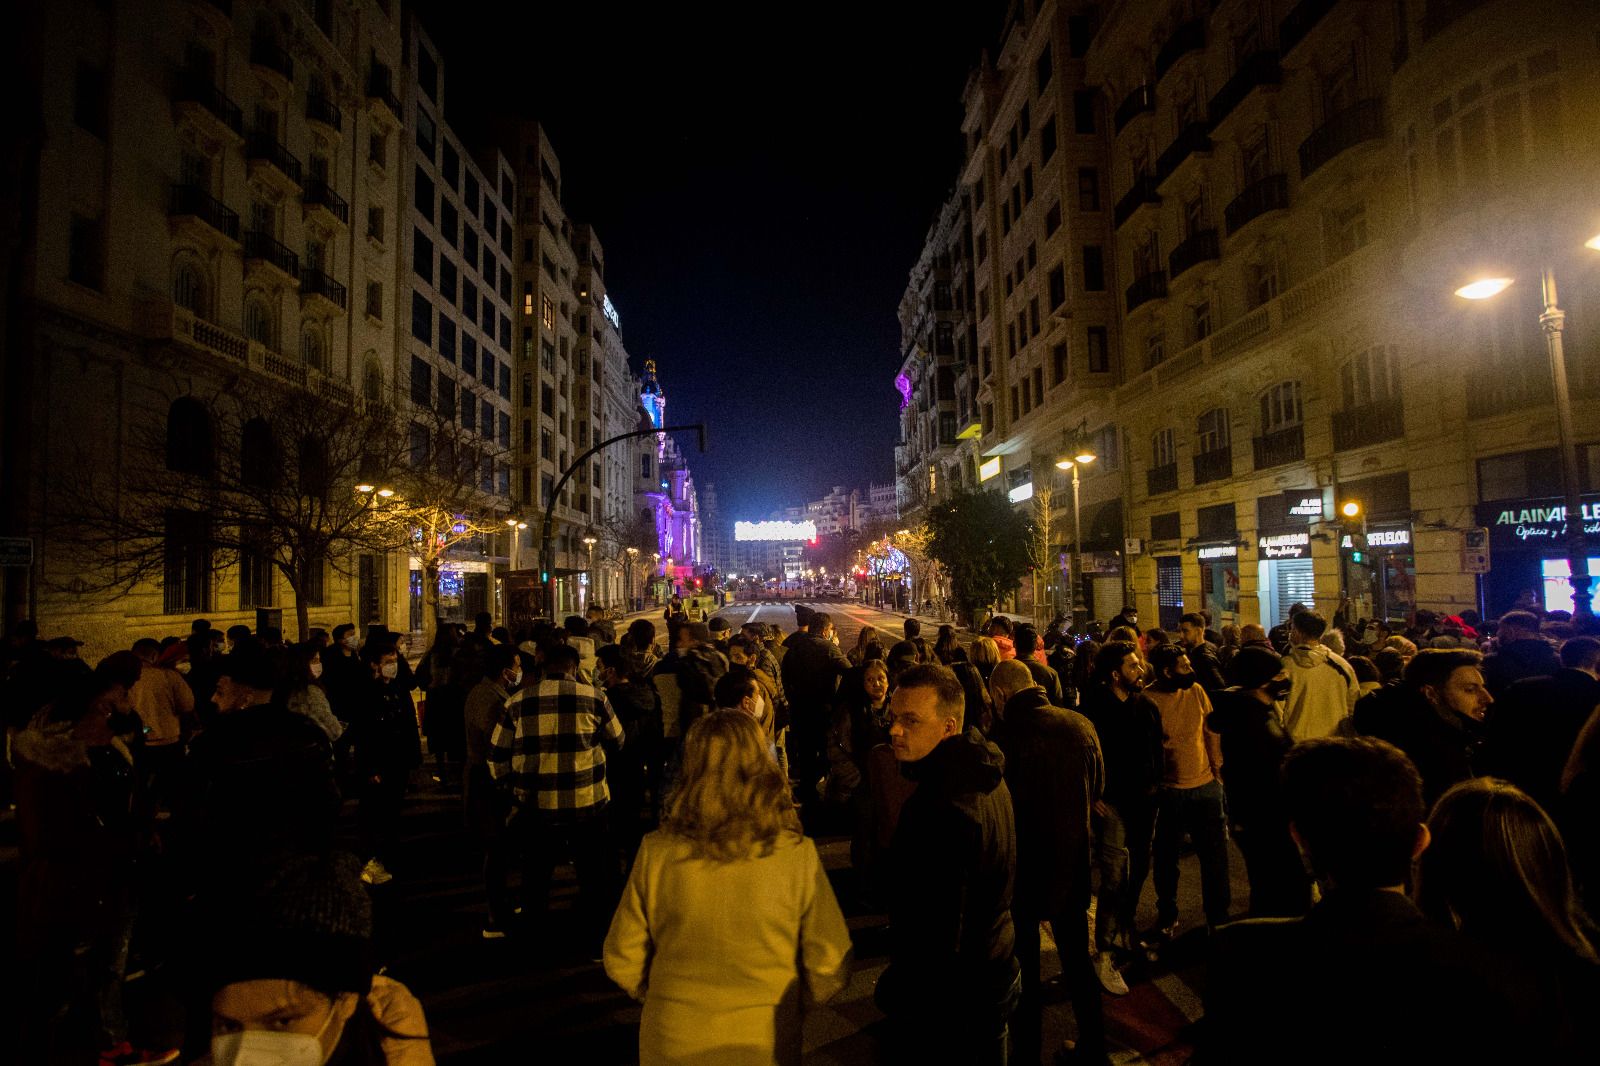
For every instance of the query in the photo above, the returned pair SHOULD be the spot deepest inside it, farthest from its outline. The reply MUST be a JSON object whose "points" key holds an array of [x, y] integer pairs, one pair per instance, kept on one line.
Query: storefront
{"points": [[1219, 582], [1284, 572], [1381, 576], [1528, 552], [463, 591]]}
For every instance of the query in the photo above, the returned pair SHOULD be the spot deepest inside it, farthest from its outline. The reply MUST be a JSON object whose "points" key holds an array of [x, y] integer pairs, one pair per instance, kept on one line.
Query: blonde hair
{"points": [[730, 800], [984, 652]]}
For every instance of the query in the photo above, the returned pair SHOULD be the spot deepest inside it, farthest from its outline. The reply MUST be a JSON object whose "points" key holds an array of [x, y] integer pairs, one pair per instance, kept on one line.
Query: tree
{"points": [[983, 544]]}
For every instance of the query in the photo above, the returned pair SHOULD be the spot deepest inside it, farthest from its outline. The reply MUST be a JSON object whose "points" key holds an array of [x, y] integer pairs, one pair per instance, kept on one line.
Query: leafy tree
{"points": [[984, 546]]}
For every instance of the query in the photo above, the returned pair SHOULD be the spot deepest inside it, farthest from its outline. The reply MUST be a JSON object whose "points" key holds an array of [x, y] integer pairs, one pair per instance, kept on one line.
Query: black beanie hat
{"points": [[1253, 667], [309, 920]]}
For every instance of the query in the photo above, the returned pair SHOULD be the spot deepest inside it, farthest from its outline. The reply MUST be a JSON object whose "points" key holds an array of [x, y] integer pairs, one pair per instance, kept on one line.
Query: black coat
{"points": [[811, 670], [1253, 746], [1131, 744], [383, 730], [1442, 744], [952, 866], [1047, 678], [1207, 667], [1532, 728], [1509, 663], [1055, 773]]}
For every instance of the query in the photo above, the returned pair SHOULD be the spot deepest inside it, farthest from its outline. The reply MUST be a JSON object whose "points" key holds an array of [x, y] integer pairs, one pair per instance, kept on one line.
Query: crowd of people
{"points": [[1415, 811]]}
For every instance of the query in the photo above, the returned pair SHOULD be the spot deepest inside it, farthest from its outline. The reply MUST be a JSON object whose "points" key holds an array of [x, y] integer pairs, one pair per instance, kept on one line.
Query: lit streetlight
{"points": [[590, 541], [1079, 453]]}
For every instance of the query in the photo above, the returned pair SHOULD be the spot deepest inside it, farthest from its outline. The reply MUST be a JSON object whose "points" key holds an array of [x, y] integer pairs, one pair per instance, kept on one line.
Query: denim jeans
{"points": [[1123, 855], [1199, 813]]}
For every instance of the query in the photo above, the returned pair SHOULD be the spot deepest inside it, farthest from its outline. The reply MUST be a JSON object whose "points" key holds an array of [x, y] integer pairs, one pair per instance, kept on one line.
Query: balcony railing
{"points": [[1361, 121], [1256, 69], [266, 148], [1270, 193], [1196, 248], [1138, 102], [319, 193], [270, 54], [1152, 286], [1189, 37], [196, 202], [320, 109], [1159, 479], [1372, 423], [195, 87], [316, 283], [1195, 137], [1143, 192], [1301, 21], [380, 87], [1282, 446], [264, 246], [1215, 465]]}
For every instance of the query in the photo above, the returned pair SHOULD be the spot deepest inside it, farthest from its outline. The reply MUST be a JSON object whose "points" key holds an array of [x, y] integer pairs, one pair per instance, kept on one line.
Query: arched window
{"points": [[258, 320], [1211, 431], [258, 454], [1163, 448], [312, 351], [1368, 377], [188, 287], [189, 437], [372, 380], [1280, 407]]}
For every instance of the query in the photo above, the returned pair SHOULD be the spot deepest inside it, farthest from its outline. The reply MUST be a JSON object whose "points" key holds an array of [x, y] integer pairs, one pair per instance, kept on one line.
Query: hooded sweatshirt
{"points": [[1323, 694]]}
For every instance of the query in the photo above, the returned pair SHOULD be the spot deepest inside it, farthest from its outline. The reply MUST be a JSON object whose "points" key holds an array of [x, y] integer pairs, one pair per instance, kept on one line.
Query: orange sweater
{"points": [[1194, 753]]}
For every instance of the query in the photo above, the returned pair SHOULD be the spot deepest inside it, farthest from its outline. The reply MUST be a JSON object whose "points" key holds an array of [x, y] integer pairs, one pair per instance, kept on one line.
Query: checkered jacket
{"points": [[549, 743]]}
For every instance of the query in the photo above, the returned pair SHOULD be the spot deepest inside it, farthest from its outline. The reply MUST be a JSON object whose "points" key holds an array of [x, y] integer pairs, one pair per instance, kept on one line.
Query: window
{"points": [[1083, 108], [1042, 70], [450, 167], [1257, 158], [1347, 230], [427, 132], [986, 361], [1094, 268], [1280, 407], [469, 193], [1155, 348], [469, 412], [1057, 283], [1368, 377], [86, 252], [378, 149], [1005, 218], [547, 399], [258, 454], [1058, 364], [312, 455], [258, 323], [424, 195], [1167, 526], [1052, 219], [469, 245], [1099, 350], [422, 256], [988, 417], [1088, 189], [1217, 522], [372, 379], [469, 353], [983, 304], [1211, 431], [982, 248], [1107, 443], [421, 318], [1027, 184], [447, 279], [188, 288], [447, 398], [313, 350], [421, 381], [427, 74], [1016, 404], [375, 299], [1033, 317], [1163, 448], [375, 223], [447, 337], [190, 441], [469, 300], [90, 100], [314, 591], [1038, 386], [1200, 321], [449, 225], [547, 313], [1263, 282], [1047, 140], [1011, 339], [186, 570]]}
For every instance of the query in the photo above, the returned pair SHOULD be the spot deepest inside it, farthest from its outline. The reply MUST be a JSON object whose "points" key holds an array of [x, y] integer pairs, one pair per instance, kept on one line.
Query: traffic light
{"points": [[1353, 530]]}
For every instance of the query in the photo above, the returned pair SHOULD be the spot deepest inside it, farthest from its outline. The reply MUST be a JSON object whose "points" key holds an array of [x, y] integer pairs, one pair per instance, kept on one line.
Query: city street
{"points": [[489, 1000]]}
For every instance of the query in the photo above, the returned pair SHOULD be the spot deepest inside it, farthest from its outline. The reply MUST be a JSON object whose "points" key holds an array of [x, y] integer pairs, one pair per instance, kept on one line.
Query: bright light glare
{"points": [[1484, 288], [386, 493], [1351, 509], [1065, 463], [364, 487], [1593, 242]]}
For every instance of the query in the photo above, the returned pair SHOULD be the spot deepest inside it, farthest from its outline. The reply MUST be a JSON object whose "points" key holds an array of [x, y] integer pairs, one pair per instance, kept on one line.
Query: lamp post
{"points": [[1551, 321], [1079, 453], [628, 557], [589, 540], [515, 526]]}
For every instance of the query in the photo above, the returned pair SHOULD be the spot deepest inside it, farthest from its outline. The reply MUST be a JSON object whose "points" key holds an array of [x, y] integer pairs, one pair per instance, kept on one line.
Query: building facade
{"points": [[665, 498]]}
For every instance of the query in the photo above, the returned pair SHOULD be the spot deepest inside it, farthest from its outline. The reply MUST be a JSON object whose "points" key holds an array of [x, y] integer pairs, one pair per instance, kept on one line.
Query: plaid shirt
{"points": [[548, 743]]}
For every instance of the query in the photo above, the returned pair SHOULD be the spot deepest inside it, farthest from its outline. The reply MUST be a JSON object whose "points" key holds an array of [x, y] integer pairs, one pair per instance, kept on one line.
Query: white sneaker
{"points": [[1105, 968], [373, 873]]}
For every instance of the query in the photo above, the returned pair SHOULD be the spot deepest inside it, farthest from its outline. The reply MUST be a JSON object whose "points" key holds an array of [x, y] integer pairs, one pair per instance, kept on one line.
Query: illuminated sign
{"points": [[609, 309], [1385, 538], [1022, 492], [774, 531], [1303, 503], [1543, 522], [1220, 551], [989, 469], [1284, 546]]}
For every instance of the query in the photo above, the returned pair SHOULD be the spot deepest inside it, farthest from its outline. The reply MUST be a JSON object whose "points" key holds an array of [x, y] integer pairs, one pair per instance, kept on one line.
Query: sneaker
{"points": [[1105, 968], [373, 873], [1157, 938]]}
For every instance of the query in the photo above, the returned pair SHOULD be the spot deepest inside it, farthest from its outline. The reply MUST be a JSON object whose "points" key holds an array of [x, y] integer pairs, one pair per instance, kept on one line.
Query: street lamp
{"points": [[589, 540], [1078, 453], [629, 555], [1551, 321]]}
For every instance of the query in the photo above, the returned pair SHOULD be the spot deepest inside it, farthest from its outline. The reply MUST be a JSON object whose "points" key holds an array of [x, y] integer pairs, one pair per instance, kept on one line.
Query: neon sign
{"points": [[757, 531], [989, 469], [1220, 551], [609, 309], [1284, 546]]}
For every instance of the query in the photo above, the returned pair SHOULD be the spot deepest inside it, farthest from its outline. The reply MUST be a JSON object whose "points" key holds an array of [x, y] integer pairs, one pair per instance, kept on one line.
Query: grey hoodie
{"points": [[1323, 693]]}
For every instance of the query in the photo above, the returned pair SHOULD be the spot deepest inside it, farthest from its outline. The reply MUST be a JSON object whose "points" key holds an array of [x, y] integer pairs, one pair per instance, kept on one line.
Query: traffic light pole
{"points": [[547, 577]]}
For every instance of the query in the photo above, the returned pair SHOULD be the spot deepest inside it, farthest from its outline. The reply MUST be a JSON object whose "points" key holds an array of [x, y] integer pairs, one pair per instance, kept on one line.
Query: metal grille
{"points": [[1169, 590]]}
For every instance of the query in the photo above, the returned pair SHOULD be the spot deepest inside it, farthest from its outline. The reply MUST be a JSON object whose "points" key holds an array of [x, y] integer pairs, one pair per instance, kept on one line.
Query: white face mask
{"points": [[390, 670], [262, 1047], [350, 641], [516, 678], [316, 669]]}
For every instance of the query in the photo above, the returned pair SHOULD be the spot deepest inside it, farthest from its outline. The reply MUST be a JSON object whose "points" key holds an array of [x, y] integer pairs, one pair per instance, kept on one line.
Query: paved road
{"points": [[499, 1001]]}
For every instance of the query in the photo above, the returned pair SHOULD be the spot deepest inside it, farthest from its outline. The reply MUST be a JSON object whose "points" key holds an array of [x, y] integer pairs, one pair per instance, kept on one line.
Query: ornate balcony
{"points": [[1271, 193], [1283, 446], [1152, 286], [1256, 69], [1373, 423], [264, 151], [324, 112], [190, 201], [314, 283], [1215, 465], [1361, 121], [1299, 22], [163, 320], [319, 195], [1159, 479], [1199, 247], [1143, 192], [1141, 101], [1189, 37], [1195, 138], [263, 248], [380, 89], [201, 103]]}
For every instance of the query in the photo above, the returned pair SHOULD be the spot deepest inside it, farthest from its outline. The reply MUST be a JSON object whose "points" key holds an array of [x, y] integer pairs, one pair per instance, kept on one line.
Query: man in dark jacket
{"points": [[1278, 635], [952, 982], [383, 731], [811, 669], [1202, 653], [1435, 716], [1026, 640], [1364, 977], [1519, 652], [1253, 746], [1055, 773], [1532, 727]]}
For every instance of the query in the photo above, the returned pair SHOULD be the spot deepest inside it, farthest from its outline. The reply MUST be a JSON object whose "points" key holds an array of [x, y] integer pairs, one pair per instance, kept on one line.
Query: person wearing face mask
{"points": [[1253, 746], [485, 805], [291, 969], [860, 723], [301, 672], [1191, 797], [738, 690], [387, 748]]}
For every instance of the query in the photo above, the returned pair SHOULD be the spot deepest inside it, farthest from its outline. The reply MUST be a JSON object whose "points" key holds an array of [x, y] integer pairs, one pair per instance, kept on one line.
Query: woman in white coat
{"points": [[728, 928]]}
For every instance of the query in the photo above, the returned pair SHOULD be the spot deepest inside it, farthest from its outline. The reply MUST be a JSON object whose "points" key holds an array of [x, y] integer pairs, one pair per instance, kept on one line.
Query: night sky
{"points": [[761, 189]]}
